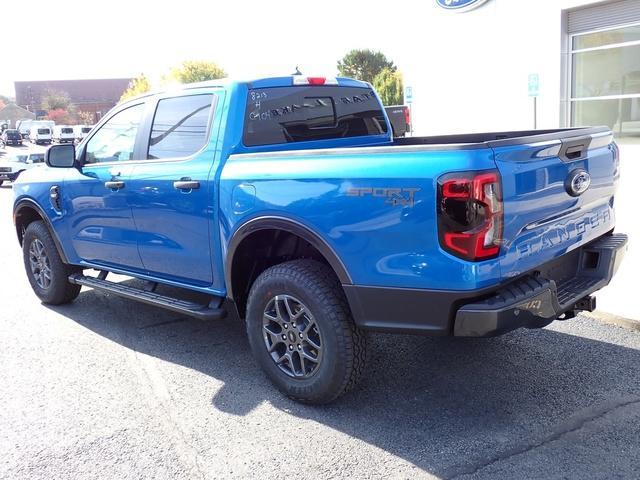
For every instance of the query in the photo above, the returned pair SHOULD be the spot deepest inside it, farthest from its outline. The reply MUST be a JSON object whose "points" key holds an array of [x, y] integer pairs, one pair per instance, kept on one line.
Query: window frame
{"points": [[152, 110], [571, 51]]}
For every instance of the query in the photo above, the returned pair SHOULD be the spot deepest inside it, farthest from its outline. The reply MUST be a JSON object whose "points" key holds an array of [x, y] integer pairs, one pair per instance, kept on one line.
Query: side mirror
{"points": [[61, 156]]}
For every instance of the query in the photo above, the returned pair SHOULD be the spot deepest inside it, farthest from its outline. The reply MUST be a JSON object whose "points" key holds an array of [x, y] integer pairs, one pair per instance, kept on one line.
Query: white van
{"points": [[63, 134], [40, 134], [81, 131], [24, 127]]}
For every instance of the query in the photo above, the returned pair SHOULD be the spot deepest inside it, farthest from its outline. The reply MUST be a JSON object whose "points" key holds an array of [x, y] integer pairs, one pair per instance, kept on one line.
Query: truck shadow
{"points": [[445, 405]]}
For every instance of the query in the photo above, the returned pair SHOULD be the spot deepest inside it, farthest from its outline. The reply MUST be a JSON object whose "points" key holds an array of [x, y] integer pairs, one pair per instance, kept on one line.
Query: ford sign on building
{"points": [[460, 5]]}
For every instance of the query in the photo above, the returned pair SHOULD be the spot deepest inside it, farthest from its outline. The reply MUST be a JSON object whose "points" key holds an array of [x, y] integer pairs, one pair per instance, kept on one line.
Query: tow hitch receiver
{"points": [[588, 304]]}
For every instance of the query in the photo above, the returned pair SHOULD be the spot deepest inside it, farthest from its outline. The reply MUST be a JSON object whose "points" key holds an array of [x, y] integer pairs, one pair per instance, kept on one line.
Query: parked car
{"points": [[287, 201], [39, 134], [12, 137], [400, 118], [81, 131], [63, 134], [12, 167]]}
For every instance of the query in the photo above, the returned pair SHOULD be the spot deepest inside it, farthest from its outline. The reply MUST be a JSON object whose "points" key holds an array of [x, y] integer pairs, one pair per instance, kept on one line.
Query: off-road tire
{"points": [[343, 344], [59, 291]]}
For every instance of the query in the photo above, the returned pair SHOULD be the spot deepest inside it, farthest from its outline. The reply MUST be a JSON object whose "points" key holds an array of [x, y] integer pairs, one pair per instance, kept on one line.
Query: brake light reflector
{"points": [[470, 214], [407, 117]]}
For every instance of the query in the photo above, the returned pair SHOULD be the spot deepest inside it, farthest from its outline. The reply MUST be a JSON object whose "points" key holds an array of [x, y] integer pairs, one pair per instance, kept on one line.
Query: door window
{"points": [[115, 140], [180, 126]]}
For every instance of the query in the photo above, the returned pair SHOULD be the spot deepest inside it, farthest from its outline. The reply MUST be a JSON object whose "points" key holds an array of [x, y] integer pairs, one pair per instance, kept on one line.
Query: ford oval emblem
{"points": [[460, 5], [577, 182]]}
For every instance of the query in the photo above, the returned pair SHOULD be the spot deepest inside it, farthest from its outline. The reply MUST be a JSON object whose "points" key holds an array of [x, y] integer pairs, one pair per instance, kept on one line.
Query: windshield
{"points": [[86, 129], [67, 130], [19, 158], [44, 131]]}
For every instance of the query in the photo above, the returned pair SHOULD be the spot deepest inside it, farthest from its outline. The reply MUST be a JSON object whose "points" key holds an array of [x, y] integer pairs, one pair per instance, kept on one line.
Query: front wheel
{"points": [[302, 333], [47, 273]]}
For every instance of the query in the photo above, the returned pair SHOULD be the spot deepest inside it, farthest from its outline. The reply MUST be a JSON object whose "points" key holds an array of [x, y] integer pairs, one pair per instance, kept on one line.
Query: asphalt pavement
{"points": [[107, 388]]}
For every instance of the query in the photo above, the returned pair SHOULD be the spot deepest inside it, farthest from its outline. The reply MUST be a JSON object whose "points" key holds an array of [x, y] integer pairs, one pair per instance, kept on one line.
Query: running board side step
{"points": [[213, 311]]}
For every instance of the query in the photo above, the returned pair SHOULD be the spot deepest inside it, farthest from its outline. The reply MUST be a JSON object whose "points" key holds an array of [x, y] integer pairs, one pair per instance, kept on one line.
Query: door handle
{"points": [[186, 184], [114, 185]]}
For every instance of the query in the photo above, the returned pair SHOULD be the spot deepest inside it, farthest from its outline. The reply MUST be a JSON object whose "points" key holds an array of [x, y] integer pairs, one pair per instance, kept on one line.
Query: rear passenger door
{"points": [[172, 203]]}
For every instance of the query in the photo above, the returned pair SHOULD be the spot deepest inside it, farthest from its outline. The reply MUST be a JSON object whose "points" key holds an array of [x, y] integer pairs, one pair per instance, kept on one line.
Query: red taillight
{"points": [[470, 215], [407, 117], [316, 80]]}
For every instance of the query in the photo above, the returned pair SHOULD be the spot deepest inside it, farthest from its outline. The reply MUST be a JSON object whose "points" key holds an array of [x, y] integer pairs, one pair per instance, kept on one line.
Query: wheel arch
{"points": [[254, 227], [27, 211]]}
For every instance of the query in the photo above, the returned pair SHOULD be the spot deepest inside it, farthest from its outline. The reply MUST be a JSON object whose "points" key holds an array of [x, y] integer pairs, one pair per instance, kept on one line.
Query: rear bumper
{"points": [[534, 300]]}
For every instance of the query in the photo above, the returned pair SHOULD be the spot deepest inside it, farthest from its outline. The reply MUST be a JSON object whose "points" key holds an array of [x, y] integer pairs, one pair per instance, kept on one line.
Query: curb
{"points": [[612, 319]]}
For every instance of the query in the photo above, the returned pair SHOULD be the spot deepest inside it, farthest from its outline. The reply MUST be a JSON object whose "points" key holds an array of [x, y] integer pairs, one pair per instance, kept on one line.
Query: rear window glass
{"points": [[300, 114], [43, 131], [67, 130], [86, 129], [37, 158]]}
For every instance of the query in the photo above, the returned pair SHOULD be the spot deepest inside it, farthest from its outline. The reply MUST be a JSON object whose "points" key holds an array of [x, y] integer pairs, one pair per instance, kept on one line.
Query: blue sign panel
{"points": [[408, 94], [534, 85], [460, 5]]}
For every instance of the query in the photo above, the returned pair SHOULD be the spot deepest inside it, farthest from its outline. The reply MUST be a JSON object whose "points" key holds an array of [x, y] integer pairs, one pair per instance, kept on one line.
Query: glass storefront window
{"points": [[621, 115], [613, 71], [605, 69]]}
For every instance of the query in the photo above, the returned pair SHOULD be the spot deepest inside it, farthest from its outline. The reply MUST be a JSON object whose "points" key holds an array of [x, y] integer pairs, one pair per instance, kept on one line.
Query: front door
{"points": [[173, 205], [96, 202]]}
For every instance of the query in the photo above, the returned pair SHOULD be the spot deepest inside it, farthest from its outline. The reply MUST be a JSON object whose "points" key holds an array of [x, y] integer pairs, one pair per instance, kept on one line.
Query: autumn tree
{"points": [[364, 64], [192, 71], [389, 86], [137, 86], [55, 100]]}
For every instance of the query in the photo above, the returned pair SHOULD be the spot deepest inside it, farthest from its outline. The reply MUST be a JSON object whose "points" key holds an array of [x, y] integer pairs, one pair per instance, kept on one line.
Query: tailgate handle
{"points": [[575, 151]]}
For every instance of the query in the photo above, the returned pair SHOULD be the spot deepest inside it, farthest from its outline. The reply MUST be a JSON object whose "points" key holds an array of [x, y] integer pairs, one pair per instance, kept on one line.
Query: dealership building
{"points": [[512, 64]]}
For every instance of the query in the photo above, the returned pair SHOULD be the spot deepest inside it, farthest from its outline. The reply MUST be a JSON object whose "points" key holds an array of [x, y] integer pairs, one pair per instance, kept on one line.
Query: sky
{"points": [[109, 39]]}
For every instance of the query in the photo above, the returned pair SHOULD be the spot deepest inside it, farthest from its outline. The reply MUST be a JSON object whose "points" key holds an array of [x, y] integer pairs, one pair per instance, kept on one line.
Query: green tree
{"points": [[364, 64], [390, 87], [137, 86], [55, 100], [193, 71]]}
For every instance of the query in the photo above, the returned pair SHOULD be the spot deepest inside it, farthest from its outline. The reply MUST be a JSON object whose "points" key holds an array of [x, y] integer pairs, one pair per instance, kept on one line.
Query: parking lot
{"points": [[108, 388]]}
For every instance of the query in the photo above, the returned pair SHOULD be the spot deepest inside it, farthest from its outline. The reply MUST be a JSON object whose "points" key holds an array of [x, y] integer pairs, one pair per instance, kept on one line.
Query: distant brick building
{"points": [[93, 96]]}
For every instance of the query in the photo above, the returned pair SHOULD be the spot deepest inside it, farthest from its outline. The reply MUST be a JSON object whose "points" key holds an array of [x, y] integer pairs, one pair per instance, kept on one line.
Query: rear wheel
{"points": [[47, 273], [302, 334]]}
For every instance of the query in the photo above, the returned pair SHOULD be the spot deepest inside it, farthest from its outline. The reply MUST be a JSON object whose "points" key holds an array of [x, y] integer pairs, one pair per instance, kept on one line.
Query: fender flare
{"points": [[288, 225], [29, 203]]}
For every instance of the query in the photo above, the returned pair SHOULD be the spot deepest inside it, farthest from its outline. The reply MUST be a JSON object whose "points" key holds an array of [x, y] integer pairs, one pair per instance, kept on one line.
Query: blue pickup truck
{"points": [[288, 202]]}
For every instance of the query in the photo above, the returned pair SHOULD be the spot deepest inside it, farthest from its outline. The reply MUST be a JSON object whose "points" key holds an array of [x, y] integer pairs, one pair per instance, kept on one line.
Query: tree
{"points": [[60, 116], [364, 64], [137, 86], [85, 118], [195, 71], [55, 100], [389, 86]]}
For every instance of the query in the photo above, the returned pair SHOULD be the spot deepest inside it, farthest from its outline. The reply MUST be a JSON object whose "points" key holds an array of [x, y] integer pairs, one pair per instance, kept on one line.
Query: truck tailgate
{"points": [[544, 215]]}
